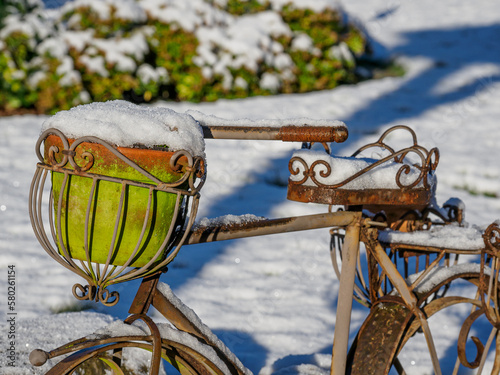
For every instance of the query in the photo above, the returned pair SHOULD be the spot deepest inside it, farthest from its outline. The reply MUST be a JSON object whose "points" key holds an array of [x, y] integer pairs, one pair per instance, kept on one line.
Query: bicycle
{"points": [[86, 203]]}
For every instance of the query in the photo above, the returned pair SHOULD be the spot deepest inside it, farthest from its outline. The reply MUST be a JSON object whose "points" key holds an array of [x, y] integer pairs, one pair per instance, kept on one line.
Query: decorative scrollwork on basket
{"points": [[194, 170], [141, 216], [92, 293], [301, 172]]}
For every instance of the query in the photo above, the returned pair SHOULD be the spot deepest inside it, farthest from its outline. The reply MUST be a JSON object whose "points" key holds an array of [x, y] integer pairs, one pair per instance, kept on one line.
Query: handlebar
{"points": [[291, 133]]}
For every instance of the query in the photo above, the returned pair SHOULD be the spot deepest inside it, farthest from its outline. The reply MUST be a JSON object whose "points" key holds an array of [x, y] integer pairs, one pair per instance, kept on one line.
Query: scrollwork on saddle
{"points": [[428, 161]]}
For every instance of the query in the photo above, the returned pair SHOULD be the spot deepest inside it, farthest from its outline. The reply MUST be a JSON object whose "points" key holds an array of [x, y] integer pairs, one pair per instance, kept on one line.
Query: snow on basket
{"points": [[120, 173], [398, 177]]}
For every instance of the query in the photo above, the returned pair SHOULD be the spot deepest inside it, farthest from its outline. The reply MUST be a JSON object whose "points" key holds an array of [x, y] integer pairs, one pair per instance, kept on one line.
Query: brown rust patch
{"points": [[155, 161], [250, 225], [319, 134], [367, 197]]}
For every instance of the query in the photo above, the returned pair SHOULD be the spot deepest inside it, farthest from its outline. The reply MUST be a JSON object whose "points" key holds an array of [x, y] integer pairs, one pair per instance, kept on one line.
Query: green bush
{"points": [[174, 49], [97, 51], [239, 7]]}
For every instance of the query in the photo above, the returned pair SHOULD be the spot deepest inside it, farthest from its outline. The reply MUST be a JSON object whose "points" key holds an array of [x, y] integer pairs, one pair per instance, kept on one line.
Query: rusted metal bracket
{"points": [[144, 296]]}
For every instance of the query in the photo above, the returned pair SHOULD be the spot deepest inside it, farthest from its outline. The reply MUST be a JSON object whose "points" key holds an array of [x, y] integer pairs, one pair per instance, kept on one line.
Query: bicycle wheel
{"points": [[117, 355], [391, 327], [112, 350]]}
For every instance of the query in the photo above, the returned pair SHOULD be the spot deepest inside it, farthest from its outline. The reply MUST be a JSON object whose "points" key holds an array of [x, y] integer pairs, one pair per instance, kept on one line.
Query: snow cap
{"points": [[125, 124]]}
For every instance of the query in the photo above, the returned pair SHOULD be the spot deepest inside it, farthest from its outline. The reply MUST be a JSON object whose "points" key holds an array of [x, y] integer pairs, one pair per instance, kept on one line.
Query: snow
{"points": [[77, 39], [148, 74], [272, 299], [95, 64], [43, 331], [188, 15], [441, 274], [245, 41], [342, 52], [31, 25], [126, 124], [226, 220], [124, 9], [211, 120], [302, 42], [196, 321], [270, 81], [54, 46], [120, 52], [449, 236]]}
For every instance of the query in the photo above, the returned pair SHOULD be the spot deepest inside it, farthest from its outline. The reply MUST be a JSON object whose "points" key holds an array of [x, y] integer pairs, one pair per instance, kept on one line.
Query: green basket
{"points": [[88, 213]]}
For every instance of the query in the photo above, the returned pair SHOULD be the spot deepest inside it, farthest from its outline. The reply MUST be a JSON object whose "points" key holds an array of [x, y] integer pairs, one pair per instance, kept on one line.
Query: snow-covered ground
{"points": [[273, 297]]}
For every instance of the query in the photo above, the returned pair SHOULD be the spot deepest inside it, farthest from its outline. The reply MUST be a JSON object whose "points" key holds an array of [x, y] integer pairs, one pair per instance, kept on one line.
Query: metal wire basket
{"points": [[112, 214]]}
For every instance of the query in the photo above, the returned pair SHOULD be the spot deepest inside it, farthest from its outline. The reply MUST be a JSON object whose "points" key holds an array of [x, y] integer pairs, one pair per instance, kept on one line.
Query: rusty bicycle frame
{"points": [[405, 208]]}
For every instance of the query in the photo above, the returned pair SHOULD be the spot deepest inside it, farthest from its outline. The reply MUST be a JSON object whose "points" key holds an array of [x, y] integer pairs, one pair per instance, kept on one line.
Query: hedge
{"points": [[196, 50]]}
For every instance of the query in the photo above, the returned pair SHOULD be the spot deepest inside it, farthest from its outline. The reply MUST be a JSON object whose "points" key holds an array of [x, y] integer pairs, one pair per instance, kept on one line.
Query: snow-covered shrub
{"points": [[141, 50], [241, 7], [107, 43], [324, 48], [36, 70]]}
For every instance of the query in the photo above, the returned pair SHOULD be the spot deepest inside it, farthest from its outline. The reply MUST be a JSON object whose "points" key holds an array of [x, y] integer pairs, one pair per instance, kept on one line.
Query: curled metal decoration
{"points": [[294, 171], [84, 293], [92, 293], [428, 163], [434, 152], [489, 283], [107, 298], [47, 207], [381, 144], [462, 341], [492, 239]]}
